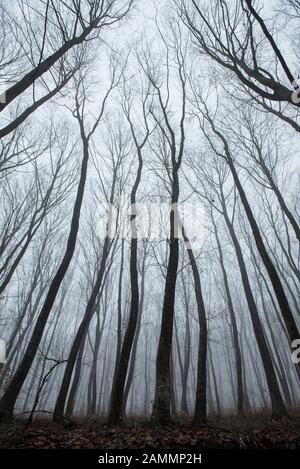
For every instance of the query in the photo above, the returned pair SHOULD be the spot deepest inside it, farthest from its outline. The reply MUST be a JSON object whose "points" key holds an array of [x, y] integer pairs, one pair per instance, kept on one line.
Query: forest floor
{"points": [[229, 432]]}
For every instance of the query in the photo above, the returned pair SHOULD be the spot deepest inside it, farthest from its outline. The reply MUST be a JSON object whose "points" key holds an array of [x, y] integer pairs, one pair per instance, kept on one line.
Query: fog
{"points": [[149, 223]]}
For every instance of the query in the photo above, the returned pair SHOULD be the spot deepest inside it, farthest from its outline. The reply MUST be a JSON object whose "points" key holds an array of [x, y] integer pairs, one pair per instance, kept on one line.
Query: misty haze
{"points": [[149, 224]]}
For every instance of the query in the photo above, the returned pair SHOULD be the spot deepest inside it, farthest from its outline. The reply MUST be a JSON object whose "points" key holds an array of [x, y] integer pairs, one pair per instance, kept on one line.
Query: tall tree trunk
{"points": [[173, 400], [162, 399], [213, 372], [117, 394], [200, 403], [136, 336], [91, 411], [235, 334], [258, 376], [187, 354], [183, 404], [119, 326], [75, 383]]}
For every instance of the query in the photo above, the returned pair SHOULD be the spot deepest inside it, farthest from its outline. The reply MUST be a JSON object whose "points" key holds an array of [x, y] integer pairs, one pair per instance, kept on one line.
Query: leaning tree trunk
{"points": [[10, 396], [278, 407]]}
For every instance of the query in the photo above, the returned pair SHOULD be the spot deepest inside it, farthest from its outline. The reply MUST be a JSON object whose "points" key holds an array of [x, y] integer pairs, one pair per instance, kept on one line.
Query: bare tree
{"points": [[174, 153], [86, 19], [116, 404], [99, 281]]}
